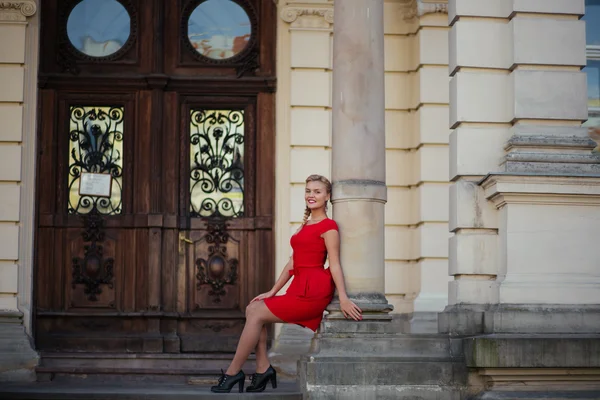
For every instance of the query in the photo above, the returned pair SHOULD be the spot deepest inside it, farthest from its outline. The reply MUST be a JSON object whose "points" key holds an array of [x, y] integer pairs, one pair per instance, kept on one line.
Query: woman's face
{"points": [[316, 195]]}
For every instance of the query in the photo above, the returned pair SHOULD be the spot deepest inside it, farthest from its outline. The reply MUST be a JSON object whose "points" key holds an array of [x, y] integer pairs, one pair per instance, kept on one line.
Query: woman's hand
{"points": [[349, 309], [263, 296]]}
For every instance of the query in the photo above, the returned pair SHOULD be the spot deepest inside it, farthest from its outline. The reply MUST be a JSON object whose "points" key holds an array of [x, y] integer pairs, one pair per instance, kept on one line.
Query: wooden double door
{"points": [[155, 186]]}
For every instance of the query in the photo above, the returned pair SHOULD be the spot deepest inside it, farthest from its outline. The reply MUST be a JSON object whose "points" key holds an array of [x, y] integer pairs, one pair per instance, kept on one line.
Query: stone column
{"points": [[358, 151]]}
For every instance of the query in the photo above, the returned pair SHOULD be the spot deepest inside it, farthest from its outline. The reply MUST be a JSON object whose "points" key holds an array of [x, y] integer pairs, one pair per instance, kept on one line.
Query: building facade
{"points": [[480, 117]]}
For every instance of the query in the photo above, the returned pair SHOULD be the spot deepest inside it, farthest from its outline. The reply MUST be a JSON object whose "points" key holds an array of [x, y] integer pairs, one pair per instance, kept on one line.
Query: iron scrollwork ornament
{"points": [[93, 270], [96, 143], [217, 270], [217, 165]]}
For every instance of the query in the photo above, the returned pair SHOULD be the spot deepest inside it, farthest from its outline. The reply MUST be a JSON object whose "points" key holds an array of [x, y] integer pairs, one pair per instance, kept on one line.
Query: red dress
{"points": [[312, 287]]}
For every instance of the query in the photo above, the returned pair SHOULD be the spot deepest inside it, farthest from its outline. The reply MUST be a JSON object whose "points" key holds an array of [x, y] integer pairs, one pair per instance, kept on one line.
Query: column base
{"points": [[374, 359], [17, 357], [374, 307]]}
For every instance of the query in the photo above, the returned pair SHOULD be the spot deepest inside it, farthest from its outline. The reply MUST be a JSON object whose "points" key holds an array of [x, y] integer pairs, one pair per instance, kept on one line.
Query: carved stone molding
{"points": [[412, 9], [417, 8], [291, 14], [17, 10]]}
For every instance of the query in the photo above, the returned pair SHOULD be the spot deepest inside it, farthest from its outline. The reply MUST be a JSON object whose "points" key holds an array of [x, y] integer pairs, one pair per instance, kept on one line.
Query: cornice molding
{"points": [[291, 14], [17, 10], [412, 9]]}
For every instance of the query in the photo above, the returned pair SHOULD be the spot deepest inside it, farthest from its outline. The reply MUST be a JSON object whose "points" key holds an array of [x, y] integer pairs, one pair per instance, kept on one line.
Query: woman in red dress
{"points": [[307, 296]]}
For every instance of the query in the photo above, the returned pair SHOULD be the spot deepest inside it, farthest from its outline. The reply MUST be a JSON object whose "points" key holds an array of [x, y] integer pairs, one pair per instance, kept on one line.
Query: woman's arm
{"points": [[283, 278], [332, 242]]}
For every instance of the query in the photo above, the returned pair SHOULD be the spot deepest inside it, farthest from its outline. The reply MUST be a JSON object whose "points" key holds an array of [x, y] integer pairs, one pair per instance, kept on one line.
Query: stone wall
{"points": [[18, 80]]}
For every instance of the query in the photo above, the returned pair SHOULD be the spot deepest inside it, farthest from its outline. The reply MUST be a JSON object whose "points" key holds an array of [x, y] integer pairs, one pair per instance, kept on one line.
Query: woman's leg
{"points": [[262, 360], [257, 315]]}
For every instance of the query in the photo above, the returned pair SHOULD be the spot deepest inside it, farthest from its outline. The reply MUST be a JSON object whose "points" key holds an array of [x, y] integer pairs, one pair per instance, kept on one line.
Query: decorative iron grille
{"points": [[95, 146], [216, 163]]}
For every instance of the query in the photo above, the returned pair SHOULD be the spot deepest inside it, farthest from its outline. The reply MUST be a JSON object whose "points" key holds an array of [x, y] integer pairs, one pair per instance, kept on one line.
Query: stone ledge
{"points": [[532, 351], [464, 320]]}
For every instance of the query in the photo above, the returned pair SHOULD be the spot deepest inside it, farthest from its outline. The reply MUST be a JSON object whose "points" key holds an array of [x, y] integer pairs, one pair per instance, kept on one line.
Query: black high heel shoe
{"points": [[259, 381], [226, 382]]}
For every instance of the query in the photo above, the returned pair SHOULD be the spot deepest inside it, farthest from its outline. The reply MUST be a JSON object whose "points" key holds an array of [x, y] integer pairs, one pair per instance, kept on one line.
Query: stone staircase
{"points": [[374, 360], [17, 359]]}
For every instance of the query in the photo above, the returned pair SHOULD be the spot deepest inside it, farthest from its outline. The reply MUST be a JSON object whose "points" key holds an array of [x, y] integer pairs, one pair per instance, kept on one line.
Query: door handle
{"points": [[182, 240]]}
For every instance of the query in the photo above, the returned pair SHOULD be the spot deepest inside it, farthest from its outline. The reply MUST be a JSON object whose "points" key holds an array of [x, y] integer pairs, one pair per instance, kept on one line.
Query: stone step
{"points": [[163, 367], [537, 395], [393, 371], [72, 390], [412, 346], [388, 392]]}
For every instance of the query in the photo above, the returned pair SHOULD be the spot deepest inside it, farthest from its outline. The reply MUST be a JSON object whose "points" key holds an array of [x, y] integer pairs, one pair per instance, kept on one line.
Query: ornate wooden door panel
{"points": [[165, 262]]}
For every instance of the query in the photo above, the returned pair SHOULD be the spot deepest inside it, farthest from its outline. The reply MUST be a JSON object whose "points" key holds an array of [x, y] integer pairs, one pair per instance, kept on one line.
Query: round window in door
{"points": [[220, 30], [99, 29]]}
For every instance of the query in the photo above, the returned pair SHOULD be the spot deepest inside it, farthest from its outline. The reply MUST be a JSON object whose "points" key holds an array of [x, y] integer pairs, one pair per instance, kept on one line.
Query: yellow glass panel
{"points": [[95, 146], [216, 163]]}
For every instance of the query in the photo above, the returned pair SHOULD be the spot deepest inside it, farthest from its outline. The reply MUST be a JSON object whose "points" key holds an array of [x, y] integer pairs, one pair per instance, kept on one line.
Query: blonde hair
{"points": [[324, 181]]}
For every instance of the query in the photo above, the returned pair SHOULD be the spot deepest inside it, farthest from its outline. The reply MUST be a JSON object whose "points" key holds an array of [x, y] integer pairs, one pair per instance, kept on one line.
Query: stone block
{"points": [[474, 253], [344, 371], [432, 242], [402, 277], [480, 44], [10, 200], [521, 351], [399, 165], [461, 319], [306, 161], [398, 208], [400, 129], [572, 7], [550, 95], [473, 291], [481, 97], [479, 8], [400, 53], [310, 126], [11, 129], [393, 20], [548, 41], [399, 91], [399, 243], [538, 318], [433, 46], [433, 295], [8, 302], [297, 204], [311, 88], [431, 203], [11, 82], [470, 207], [476, 151], [433, 85], [546, 259], [10, 162], [12, 51], [432, 164], [8, 277], [9, 241], [432, 124], [310, 49]]}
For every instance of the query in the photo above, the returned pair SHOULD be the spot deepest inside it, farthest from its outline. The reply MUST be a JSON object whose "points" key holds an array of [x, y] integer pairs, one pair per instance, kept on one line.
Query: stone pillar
{"points": [[358, 152], [18, 80]]}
